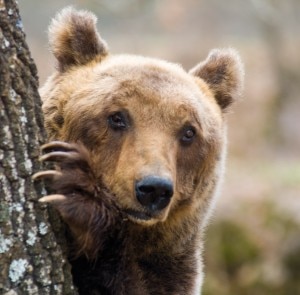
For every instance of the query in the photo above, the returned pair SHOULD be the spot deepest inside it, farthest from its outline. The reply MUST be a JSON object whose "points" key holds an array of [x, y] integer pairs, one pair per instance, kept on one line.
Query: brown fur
{"points": [[173, 127]]}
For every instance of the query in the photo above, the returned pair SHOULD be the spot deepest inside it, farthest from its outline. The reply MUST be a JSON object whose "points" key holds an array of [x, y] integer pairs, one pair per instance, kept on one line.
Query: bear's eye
{"points": [[188, 134], [117, 121]]}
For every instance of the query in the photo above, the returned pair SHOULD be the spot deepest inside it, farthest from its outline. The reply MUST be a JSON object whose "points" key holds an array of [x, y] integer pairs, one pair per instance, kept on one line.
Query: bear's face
{"points": [[144, 119], [155, 132]]}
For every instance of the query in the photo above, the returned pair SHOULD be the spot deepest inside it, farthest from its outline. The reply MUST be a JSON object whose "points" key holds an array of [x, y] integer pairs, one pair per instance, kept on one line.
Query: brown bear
{"points": [[139, 146]]}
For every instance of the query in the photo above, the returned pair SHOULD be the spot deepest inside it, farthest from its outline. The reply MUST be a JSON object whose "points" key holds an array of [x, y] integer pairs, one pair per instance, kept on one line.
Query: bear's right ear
{"points": [[74, 39]]}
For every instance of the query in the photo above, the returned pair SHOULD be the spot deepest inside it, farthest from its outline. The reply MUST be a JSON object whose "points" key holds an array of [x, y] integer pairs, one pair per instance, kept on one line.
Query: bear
{"points": [[139, 147]]}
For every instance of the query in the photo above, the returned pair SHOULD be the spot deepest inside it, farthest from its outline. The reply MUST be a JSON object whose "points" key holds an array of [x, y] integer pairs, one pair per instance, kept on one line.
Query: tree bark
{"points": [[32, 259]]}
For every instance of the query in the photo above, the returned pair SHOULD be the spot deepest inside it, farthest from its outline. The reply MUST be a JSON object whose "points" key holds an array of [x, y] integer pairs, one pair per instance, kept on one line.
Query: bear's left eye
{"points": [[117, 121], [188, 134]]}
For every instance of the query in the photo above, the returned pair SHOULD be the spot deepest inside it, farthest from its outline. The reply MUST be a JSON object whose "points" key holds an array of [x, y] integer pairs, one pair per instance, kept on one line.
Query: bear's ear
{"points": [[74, 39], [223, 71]]}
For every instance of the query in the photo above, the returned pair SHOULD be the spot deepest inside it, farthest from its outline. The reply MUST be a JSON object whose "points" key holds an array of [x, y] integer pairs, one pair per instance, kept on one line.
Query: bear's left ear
{"points": [[223, 71], [74, 39]]}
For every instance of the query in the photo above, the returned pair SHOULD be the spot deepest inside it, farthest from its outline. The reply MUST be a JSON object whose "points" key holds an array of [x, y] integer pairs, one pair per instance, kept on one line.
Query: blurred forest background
{"points": [[253, 242]]}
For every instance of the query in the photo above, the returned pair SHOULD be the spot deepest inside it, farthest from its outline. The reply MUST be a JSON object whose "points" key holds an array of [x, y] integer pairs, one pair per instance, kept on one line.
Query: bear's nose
{"points": [[154, 192]]}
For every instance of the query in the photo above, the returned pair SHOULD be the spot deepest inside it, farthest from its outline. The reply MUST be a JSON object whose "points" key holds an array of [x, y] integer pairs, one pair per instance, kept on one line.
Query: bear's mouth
{"points": [[140, 215]]}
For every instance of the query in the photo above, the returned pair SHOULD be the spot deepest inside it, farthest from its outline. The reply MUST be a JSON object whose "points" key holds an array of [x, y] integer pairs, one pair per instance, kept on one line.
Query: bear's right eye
{"points": [[117, 121], [188, 135]]}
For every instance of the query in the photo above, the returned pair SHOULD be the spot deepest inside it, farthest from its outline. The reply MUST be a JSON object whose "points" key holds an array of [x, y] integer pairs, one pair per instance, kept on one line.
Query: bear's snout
{"points": [[154, 192]]}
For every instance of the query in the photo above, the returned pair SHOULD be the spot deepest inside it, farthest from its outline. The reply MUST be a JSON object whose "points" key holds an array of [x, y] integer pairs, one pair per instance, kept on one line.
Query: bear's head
{"points": [[156, 133]]}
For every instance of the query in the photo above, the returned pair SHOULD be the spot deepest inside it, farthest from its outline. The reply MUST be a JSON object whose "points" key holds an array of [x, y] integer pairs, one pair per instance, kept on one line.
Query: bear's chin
{"points": [[145, 218]]}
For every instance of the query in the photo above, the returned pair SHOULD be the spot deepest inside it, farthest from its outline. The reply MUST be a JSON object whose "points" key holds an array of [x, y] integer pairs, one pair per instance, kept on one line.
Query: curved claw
{"points": [[52, 199], [58, 145], [58, 156], [46, 174]]}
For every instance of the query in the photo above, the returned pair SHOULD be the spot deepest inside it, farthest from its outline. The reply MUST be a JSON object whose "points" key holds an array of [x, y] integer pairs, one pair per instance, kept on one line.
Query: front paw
{"points": [[74, 173], [83, 202]]}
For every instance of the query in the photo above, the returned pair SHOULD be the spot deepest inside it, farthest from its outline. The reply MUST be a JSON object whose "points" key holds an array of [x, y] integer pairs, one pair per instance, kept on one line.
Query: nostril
{"points": [[167, 191], [154, 192], [147, 189]]}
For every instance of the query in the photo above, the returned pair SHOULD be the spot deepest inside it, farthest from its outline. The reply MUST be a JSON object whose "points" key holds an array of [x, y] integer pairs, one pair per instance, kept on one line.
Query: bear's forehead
{"points": [[145, 70], [151, 79]]}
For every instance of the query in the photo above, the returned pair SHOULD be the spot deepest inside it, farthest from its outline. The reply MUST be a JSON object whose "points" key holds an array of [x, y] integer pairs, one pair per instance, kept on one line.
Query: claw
{"points": [[58, 145], [46, 174], [52, 198], [57, 156]]}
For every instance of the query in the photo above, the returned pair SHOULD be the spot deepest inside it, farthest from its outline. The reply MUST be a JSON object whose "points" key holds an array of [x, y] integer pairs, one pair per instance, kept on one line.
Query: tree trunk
{"points": [[32, 259]]}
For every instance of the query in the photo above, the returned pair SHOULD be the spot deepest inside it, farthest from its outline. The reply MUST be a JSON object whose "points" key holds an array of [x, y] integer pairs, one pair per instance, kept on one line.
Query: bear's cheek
{"points": [[108, 167], [192, 163]]}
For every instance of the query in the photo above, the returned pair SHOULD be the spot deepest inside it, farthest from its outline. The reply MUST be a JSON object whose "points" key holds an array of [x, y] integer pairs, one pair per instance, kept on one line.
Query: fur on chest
{"points": [[125, 266]]}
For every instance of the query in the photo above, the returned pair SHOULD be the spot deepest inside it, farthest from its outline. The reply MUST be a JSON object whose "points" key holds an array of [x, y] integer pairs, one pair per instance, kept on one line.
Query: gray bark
{"points": [[32, 258]]}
